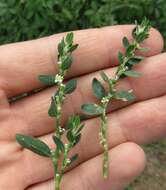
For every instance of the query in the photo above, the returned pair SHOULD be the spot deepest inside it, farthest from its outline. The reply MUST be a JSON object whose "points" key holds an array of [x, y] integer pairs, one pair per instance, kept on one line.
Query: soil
{"points": [[154, 176]]}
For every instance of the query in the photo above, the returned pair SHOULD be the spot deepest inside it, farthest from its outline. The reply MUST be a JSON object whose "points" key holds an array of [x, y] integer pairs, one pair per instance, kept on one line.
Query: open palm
{"points": [[129, 124]]}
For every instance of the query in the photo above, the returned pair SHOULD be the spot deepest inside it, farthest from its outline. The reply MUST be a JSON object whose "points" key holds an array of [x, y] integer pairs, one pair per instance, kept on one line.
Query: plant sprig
{"points": [[73, 128], [126, 63]]}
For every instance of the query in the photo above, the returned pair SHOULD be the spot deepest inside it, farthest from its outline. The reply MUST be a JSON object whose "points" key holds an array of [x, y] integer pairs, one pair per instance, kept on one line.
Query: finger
{"points": [[124, 167], [3, 103], [4, 108], [34, 109], [21, 63], [139, 123]]}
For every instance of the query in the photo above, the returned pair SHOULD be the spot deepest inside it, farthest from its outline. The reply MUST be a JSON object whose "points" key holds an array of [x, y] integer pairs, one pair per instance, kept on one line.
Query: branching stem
{"points": [[142, 32]]}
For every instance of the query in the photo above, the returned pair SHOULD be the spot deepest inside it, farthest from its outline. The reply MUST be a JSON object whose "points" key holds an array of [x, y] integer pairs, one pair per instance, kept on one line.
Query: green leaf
{"points": [[66, 62], [69, 38], [125, 95], [104, 76], [72, 122], [73, 47], [134, 30], [75, 120], [33, 144], [141, 32], [120, 57], [74, 125], [52, 112], [144, 49], [141, 36], [47, 79], [73, 158], [61, 46], [92, 109], [135, 60], [98, 89], [77, 139], [80, 128], [130, 49], [60, 49], [58, 143], [70, 86], [132, 74], [70, 136], [126, 42]]}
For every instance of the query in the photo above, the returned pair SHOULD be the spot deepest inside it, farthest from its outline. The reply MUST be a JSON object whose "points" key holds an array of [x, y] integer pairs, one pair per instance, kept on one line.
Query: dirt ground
{"points": [[154, 176]]}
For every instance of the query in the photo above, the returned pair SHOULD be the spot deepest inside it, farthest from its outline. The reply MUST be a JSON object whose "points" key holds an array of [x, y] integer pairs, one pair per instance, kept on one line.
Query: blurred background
{"points": [[28, 19]]}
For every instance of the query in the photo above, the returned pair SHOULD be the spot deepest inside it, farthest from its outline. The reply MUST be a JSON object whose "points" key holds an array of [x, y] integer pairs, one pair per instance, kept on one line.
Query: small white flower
{"points": [[130, 91], [61, 130], [58, 108], [124, 99], [57, 175], [105, 146], [58, 78], [114, 90], [104, 100], [66, 146], [68, 161], [116, 77], [62, 85], [126, 68]]}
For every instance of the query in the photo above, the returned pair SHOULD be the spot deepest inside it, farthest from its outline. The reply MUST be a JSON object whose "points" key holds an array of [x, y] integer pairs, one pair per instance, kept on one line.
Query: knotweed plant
{"points": [[126, 62], [60, 153]]}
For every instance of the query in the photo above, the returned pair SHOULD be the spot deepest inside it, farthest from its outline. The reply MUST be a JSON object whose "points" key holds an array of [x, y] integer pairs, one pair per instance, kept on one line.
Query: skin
{"points": [[130, 124]]}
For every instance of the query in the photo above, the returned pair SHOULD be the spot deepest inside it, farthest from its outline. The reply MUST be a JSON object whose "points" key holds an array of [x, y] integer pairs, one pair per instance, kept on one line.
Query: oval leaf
{"points": [[58, 143], [66, 62], [52, 112], [144, 49], [80, 128], [135, 60], [70, 136], [98, 89], [104, 76], [73, 47], [69, 38], [92, 109], [73, 158], [132, 74], [70, 86], [77, 139], [61, 46], [47, 79], [126, 42], [125, 95], [33, 144], [130, 49], [120, 57]]}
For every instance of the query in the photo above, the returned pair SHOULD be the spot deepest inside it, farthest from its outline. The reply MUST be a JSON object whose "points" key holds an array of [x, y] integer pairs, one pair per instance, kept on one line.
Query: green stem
{"points": [[65, 158], [57, 181], [57, 177], [64, 63], [103, 139], [59, 102], [58, 133], [121, 68], [103, 132]]}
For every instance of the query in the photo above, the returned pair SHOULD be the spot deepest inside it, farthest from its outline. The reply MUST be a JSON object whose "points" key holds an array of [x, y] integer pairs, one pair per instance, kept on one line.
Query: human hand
{"points": [[140, 122]]}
